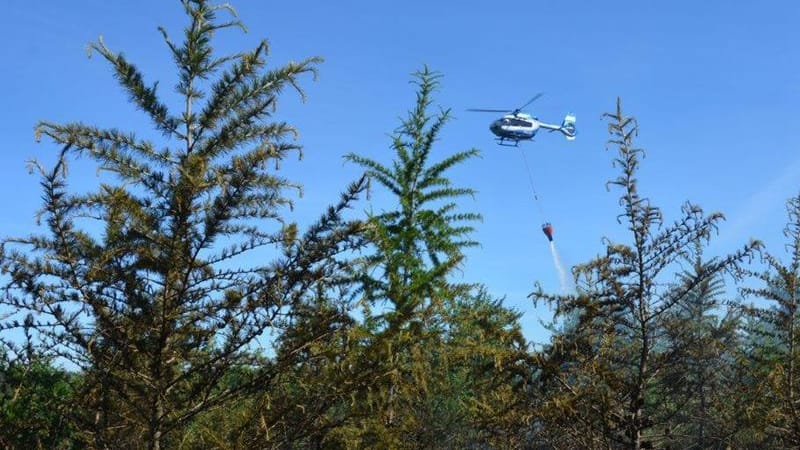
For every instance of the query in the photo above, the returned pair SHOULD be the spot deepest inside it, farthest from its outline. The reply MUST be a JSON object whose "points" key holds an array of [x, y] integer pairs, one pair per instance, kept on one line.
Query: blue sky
{"points": [[715, 87]]}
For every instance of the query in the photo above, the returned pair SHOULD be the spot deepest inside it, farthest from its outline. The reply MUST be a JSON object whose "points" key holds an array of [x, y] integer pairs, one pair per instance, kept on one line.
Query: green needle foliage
{"points": [[34, 401], [605, 373], [777, 328], [175, 305], [158, 306], [422, 241], [417, 247], [702, 396]]}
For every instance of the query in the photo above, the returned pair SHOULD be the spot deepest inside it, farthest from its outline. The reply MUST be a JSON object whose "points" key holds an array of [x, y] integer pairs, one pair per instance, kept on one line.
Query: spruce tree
{"points": [[702, 390], [145, 284], [776, 334], [603, 375]]}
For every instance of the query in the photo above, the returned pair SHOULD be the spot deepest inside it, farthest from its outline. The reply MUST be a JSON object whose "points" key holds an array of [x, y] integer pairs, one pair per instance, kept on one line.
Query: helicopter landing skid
{"points": [[504, 144]]}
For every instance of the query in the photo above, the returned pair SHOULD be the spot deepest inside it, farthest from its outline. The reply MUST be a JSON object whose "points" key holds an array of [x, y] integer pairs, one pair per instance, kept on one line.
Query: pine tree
{"points": [[159, 307], [604, 374], [777, 348]]}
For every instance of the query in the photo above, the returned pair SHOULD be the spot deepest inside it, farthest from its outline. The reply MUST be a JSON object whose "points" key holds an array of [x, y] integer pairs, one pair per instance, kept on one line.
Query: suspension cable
{"points": [[533, 188]]}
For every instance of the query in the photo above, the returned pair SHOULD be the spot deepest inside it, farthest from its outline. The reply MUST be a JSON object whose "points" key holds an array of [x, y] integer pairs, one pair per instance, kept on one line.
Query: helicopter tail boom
{"points": [[567, 127]]}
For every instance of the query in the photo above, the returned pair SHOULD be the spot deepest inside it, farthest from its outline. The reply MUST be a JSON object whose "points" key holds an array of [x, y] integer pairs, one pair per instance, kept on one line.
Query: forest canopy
{"points": [[178, 305]]}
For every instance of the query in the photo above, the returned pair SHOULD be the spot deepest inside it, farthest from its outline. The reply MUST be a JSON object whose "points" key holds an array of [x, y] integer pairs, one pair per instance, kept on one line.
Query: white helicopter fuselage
{"points": [[515, 127], [521, 127]]}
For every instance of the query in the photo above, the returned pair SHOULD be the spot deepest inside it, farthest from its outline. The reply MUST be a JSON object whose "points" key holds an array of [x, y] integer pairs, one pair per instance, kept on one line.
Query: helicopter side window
{"points": [[520, 123]]}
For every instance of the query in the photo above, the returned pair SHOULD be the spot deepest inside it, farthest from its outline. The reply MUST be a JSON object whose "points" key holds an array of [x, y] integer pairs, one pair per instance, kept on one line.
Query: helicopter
{"points": [[516, 126]]}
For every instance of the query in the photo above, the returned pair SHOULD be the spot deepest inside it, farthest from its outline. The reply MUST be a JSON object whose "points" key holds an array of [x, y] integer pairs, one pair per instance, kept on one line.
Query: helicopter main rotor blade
{"points": [[535, 97], [488, 110]]}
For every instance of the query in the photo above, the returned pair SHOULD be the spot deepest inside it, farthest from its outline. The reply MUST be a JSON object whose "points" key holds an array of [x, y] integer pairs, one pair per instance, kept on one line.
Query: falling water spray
{"points": [[566, 284]]}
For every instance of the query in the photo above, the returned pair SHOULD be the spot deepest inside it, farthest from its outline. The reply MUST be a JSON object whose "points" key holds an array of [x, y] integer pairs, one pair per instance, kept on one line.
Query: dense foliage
{"points": [[175, 305]]}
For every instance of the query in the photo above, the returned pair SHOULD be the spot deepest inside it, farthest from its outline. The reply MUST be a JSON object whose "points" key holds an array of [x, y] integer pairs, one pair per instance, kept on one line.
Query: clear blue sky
{"points": [[715, 86]]}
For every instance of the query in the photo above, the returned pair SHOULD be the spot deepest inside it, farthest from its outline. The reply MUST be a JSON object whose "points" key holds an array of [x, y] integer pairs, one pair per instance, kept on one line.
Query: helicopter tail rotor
{"points": [[568, 127]]}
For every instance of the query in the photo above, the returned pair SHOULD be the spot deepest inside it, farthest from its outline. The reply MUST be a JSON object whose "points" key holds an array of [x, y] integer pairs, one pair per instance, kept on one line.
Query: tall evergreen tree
{"points": [[777, 332], [605, 372], [406, 283], [422, 241], [153, 309]]}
